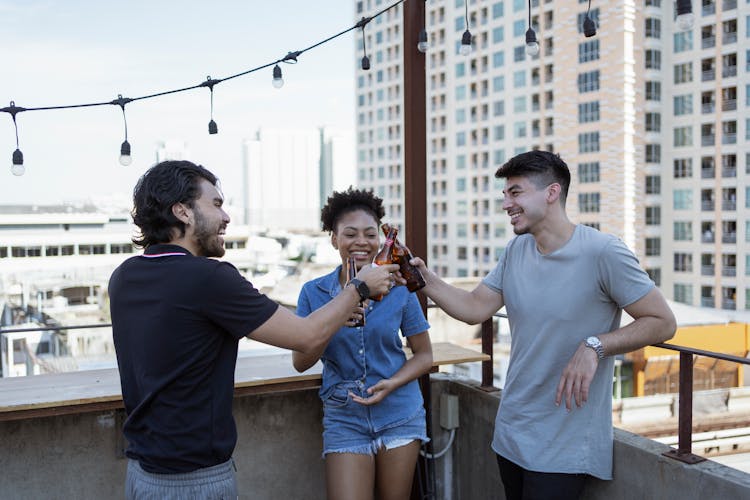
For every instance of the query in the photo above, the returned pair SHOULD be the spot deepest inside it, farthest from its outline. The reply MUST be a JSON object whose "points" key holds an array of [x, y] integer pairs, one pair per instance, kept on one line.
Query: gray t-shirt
{"points": [[553, 303]]}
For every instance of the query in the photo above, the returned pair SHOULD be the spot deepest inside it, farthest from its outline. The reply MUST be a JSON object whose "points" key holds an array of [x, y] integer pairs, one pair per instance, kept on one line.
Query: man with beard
{"points": [[564, 287], [177, 317]]}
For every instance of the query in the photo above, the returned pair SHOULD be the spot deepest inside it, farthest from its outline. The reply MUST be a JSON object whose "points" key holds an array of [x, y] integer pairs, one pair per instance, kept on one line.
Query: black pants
{"points": [[522, 484]]}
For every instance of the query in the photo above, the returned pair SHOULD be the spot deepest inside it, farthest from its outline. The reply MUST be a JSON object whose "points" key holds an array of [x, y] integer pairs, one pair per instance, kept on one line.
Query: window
{"points": [[519, 79], [683, 73], [653, 216], [519, 104], [653, 59], [655, 275], [588, 142], [461, 184], [588, 82], [653, 28], [683, 104], [682, 199], [683, 231], [653, 91], [588, 202], [498, 108], [588, 51], [653, 247], [498, 34], [498, 59], [519, 27], [653, 153], [588, 172], [588, 112], [683, 136], [683, 262], [683, 293], [653, 122], [683, 40], [519, 53], [683, 168], [498, 133], [653, 184], [460, 69], [497, 10], [498, 84]]}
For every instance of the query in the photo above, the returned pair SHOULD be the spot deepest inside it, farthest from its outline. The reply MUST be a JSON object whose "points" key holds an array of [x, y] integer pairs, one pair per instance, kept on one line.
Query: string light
{"points": [[465, 49], [589, 26], [212, 127], [423, 41], [532, 45], [17, 167], [423, 45], [365, 60], [125, 158], [277, 81], [685, 18], [125, 149]]}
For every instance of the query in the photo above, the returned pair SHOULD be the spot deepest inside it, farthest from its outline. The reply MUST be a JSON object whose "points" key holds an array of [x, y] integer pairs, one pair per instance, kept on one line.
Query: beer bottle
{"points": [[351, 272], [401, 256], [385, 255]]}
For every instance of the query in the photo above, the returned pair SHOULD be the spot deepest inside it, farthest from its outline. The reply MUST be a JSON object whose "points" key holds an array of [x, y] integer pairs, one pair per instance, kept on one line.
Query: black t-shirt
{"points": [[176, 322]]}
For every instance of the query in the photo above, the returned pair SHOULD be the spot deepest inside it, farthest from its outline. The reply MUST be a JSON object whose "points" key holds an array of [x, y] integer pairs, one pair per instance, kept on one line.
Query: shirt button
{"points": [[360, 351]]}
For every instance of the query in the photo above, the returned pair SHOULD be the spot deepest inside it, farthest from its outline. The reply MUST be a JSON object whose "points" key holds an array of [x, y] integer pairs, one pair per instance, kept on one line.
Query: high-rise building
{"points": [[646, 115], [288, 175]]}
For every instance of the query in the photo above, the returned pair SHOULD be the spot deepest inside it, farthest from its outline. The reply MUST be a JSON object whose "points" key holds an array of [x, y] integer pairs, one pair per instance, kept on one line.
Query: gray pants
{"points": [[211, 483]]}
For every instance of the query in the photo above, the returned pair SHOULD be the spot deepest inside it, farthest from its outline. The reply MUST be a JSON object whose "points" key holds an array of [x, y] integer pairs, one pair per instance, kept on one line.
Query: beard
{"points": [[207, 237]]}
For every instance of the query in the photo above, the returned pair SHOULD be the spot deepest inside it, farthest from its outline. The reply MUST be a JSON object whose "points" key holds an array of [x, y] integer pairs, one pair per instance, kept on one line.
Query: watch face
{"points": [[593, 341]]}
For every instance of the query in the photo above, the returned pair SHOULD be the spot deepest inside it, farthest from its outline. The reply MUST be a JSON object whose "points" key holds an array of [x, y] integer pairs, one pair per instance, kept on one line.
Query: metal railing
{"points": [[684, 451]]}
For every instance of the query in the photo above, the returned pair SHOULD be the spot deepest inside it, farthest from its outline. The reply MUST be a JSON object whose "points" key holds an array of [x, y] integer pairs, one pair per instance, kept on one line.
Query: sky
{"points": [[65, 52]]}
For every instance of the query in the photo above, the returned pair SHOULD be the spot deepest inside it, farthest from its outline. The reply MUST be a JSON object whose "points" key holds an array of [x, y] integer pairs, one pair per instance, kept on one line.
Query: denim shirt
{"points": [[371, 353]]}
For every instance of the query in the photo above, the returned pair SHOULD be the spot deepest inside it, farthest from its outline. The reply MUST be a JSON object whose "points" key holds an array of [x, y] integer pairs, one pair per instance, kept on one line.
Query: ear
{"points": [[553, 193], [183, 213], [334, 241]]}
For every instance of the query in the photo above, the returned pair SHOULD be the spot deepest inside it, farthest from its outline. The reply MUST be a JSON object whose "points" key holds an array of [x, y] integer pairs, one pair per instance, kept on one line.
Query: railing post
{"points": [[488, 375], [684, 451]]}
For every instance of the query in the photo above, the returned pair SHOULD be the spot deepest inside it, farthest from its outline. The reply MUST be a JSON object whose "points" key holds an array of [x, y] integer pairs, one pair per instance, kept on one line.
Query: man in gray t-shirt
{"points": [[564, 287]]}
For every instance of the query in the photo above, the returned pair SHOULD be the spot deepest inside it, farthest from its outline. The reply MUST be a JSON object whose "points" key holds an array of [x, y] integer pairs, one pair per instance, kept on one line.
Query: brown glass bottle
{"points": [[401, 256], [351, 272], [385, 255]]}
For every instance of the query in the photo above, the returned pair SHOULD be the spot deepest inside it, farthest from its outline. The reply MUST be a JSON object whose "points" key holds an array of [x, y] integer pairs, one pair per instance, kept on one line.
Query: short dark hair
{"points": [[541, 167], [340, 203], [157, 190]]}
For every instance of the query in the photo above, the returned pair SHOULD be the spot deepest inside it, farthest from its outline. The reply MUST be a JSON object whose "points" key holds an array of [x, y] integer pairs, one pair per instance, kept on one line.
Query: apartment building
{"points": [[646, 115]]}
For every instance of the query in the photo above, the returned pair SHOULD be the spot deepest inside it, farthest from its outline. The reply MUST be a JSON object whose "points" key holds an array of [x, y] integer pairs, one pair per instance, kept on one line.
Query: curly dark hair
{"points": [[162, 186], [340, 203]]}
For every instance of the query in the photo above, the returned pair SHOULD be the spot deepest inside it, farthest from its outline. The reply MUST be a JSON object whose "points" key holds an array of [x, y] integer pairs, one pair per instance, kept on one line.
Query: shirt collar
{"points": [[165, 250]]}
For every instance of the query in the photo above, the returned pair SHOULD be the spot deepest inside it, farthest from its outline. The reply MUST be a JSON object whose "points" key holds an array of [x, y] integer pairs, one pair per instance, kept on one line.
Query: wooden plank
{"points": [[94, 390]]}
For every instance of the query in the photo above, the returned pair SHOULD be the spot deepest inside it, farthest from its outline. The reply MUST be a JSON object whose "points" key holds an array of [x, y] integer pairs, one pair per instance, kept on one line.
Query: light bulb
{"points": [[532, 45], [465, 49], [685, 21], [685, 18], [589, 27], [125, 158], [212, 127], [18, 169], [277, 81], [423, 45]]}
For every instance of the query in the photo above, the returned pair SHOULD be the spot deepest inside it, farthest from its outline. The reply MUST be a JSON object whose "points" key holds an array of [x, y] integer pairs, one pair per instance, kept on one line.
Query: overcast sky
{"points": [[63, 52]]}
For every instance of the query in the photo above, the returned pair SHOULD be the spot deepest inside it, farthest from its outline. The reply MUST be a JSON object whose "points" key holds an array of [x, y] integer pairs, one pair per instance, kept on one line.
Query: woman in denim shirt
{"points": [[373, 413]]}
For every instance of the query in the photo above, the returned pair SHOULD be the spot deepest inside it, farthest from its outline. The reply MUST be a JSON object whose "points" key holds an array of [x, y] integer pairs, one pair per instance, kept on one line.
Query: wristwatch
{"points": [[362, 289], [596, 344]]}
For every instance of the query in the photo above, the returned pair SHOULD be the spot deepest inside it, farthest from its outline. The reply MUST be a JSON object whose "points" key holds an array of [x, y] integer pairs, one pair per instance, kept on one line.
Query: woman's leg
{"points": [[350, 476], [394, 471]]}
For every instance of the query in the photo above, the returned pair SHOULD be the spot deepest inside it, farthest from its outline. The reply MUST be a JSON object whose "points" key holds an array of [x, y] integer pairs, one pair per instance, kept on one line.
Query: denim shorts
{"points": [[348, 428]]}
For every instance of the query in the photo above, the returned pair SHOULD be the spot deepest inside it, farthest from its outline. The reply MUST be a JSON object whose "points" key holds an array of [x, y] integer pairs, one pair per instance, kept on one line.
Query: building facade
{"points": [[646, 115]]}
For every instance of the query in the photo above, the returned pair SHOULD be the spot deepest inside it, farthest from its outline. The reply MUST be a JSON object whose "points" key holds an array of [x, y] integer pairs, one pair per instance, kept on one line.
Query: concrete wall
{"points": [[77, 456], [469, 470], [278, 455]]}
